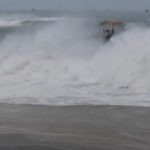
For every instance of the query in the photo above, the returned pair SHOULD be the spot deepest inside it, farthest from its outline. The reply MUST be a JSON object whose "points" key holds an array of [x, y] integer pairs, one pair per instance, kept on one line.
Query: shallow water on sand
{"points": [[80, 127]]}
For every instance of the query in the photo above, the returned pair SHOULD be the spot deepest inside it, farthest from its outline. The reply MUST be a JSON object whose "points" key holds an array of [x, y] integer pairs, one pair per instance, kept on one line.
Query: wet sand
{"points": [[26, 127]]}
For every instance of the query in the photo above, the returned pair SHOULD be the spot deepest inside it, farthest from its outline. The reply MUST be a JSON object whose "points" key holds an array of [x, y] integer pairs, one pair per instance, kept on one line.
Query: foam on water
{"points": [[17, 19], [66, 64]]}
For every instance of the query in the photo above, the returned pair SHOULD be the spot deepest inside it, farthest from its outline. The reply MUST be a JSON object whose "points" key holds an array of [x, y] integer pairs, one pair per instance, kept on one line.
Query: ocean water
{"points": [[49, 58]]}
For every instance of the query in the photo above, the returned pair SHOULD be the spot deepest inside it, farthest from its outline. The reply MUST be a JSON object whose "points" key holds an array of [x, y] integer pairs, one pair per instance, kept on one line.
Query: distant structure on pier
{"points": [[33, 10], [147, 10]]}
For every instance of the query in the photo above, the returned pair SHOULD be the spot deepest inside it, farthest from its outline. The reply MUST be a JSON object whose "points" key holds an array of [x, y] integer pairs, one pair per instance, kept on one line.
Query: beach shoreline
{"points": [[30, 127]]}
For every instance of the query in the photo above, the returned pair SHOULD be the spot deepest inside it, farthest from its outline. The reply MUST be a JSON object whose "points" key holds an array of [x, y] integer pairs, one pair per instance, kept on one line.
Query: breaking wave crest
{"points": [[66, 63], [12, 20]]}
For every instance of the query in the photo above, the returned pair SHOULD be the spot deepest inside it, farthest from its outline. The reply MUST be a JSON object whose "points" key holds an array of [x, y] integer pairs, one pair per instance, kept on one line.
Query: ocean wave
{"points": [[43, 19], [4, 23], [67, 64], [13, 23]]}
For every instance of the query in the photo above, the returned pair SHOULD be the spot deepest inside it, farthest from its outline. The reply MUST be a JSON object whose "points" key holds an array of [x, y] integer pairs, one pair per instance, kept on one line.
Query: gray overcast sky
{"points": [[75, 4]]}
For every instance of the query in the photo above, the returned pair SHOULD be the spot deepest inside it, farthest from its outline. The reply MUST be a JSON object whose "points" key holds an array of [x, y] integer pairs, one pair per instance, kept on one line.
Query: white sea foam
{"points": [[8, 20], [65, 64]]}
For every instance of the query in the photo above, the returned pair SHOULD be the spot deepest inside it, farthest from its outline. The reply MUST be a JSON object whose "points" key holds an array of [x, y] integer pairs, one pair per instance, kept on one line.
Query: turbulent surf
{"points": [[62, 60]]}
